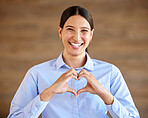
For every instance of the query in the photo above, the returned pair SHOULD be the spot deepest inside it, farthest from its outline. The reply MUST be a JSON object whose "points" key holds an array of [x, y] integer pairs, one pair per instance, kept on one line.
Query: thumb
{"points": [[72, 91], [81, 91]]}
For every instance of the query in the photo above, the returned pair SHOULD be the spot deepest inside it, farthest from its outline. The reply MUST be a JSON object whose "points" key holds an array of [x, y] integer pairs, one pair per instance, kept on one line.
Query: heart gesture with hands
{"points": [[61, 86]]}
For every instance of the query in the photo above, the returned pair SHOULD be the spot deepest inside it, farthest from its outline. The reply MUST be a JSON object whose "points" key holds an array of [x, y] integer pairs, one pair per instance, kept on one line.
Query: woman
{"points": [[73, 85]]}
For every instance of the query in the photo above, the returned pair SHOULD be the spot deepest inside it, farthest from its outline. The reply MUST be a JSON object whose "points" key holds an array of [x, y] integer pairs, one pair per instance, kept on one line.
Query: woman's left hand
{"points": [[94, 87]]}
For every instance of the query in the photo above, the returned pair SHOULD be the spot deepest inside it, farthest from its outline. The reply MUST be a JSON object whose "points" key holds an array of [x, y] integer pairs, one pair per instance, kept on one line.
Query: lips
{"points": [[76, 44]]}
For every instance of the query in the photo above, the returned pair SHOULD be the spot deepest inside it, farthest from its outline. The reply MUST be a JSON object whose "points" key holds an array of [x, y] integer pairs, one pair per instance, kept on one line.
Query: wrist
{"points": [[107, 97], [109, 101], [47, 94]]}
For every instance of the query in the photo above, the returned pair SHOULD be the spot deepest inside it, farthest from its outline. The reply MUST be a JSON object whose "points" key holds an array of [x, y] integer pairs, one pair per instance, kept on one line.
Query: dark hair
{"points": [[76, 10]]}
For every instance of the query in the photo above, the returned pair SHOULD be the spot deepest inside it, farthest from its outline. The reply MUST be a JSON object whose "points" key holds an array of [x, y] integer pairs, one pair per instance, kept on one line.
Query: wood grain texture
{"points": [[28, 36]]}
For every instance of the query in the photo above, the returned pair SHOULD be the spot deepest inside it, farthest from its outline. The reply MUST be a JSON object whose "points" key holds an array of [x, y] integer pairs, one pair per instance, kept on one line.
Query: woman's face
{"points": [[76, 35]]}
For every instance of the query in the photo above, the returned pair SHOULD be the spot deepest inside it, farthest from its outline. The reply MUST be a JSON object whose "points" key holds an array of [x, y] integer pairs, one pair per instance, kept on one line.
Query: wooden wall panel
{"points": [[28, 36]]}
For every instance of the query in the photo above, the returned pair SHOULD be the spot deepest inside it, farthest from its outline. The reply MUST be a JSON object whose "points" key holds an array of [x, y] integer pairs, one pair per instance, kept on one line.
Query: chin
{"points": [[76, 53]]}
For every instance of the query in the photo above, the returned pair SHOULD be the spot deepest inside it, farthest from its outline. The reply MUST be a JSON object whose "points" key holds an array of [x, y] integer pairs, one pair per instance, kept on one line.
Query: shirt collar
{"points": [[59, 62], [89, 65]]}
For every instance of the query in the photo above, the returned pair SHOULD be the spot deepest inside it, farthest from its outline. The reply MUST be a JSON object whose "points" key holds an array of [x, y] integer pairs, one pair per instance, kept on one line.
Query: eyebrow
{"points": [[73, 27], [85, 27], [69, 26]]}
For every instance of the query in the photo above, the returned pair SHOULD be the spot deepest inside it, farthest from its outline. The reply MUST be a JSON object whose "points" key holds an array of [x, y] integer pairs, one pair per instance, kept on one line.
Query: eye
{"points": [[84, 30], [70, 29]]}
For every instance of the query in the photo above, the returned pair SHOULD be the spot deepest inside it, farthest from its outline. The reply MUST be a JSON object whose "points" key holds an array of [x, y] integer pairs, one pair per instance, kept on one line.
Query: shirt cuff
{"points": [[37, 107], [113, 108]]}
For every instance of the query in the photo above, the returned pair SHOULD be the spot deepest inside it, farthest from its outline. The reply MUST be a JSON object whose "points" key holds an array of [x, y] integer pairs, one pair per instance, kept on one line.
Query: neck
{"points": [[74, 61]]}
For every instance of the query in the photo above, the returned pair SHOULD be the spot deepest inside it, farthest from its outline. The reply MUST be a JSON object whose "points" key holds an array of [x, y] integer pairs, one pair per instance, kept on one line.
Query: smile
{"points": [[76, 44]]}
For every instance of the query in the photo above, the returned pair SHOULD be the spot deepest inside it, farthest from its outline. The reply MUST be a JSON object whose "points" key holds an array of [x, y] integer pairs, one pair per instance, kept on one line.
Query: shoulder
{"points": [[101, 63], [43, 66], [105, 65], [49, 63], [107, 68]]}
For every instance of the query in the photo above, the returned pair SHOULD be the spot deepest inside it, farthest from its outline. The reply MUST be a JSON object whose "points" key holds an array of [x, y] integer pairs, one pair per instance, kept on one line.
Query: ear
{"points": [[91, 35], [60, 32]]}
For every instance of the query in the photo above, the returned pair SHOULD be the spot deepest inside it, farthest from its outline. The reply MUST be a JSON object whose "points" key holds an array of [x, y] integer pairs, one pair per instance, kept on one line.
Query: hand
{"points": [[60, 86], [94, 87]]}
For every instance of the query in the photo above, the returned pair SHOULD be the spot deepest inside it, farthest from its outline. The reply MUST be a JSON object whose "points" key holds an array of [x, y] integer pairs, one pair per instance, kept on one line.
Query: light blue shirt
{"points": [[27, 104]]}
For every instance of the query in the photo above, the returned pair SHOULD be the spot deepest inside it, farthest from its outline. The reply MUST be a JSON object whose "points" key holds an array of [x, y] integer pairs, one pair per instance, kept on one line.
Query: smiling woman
{"points": [[73, 85]]}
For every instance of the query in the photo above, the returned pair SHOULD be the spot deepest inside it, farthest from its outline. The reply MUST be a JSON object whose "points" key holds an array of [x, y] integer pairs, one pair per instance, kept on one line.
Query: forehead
{"points": [[77, 21]]}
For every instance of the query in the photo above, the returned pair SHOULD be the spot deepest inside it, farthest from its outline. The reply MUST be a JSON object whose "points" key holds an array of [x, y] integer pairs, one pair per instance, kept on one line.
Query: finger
{"points": [[81, 74], [71, 72], [70, 77], [72, 91], [81, 90], [74, 72], [84, 73]]}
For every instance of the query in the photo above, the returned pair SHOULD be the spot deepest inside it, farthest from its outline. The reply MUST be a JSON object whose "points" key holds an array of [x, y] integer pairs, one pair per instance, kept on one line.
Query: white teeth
{"points": [[76, 45]]}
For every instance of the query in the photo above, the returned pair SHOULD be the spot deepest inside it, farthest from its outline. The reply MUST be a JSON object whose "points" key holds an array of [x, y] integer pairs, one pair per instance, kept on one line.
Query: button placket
{"points": [[74, 99]]}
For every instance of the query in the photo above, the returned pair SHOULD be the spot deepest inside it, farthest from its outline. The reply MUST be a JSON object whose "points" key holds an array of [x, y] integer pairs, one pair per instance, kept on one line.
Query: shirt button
{"points": [[29, 113], [106, 112], [37, 106]]}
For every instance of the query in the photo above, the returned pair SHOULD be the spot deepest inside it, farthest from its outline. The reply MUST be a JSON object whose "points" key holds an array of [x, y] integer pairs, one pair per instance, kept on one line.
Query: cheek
{"points": [[86, 38], [66, 35], [87, 35]]}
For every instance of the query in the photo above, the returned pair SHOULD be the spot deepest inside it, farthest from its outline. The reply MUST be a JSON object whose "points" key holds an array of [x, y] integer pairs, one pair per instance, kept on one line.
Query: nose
{"points": [[77, 36]]}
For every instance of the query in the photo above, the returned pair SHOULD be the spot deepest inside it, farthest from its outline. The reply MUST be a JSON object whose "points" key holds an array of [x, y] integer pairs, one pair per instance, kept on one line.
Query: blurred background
{"points": [[28, 36]]}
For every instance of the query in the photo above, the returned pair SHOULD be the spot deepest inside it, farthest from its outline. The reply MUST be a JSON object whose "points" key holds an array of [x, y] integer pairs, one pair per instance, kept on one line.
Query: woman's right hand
{"points": [[60, 86]]}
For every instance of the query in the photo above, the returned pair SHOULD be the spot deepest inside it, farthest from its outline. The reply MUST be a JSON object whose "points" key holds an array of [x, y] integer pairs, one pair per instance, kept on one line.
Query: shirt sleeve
{"points": [[123, 105], [26, 102]]}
